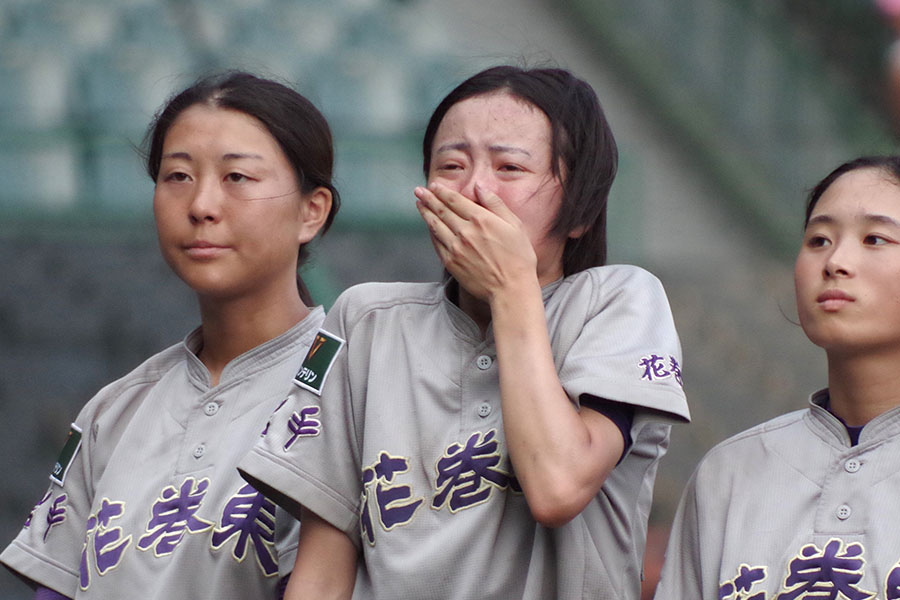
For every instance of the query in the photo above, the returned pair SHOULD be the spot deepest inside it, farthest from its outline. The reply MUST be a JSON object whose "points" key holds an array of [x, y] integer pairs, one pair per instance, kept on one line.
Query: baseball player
{"points": [[145, 501], [495, 436], [801, 507]]}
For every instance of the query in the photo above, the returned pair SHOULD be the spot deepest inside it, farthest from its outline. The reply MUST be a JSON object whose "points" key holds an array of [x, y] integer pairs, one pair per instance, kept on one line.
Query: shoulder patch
{"points": [[318, 362], [70, 449]]}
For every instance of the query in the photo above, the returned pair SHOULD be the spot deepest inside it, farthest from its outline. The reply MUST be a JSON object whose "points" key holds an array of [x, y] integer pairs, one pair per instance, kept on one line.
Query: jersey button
{"points": [[484, 362], [843, 512], [210, 409], [484, 409], [199, 450], [852, 465]]}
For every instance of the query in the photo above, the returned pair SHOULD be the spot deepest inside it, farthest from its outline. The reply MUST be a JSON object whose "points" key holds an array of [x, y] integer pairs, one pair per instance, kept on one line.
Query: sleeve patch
{"points": [[318, 362], [70, 449]]}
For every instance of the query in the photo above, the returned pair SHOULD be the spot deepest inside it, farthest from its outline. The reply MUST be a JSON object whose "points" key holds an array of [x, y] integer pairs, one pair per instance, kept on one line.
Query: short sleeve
{"points": [[309, 455], [681, 575], [47, 550], [625, 348]]}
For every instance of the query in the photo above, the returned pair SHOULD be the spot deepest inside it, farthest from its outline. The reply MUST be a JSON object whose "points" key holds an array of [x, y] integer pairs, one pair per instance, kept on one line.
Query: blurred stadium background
{"points": [[726, 111]]}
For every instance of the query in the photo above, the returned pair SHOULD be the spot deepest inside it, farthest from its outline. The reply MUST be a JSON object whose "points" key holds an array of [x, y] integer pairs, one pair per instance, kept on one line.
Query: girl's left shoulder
{"points": [[612, 283]]}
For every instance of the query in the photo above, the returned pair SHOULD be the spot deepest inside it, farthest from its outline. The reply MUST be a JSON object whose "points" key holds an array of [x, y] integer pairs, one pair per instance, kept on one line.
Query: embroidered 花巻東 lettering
{"points": [[830, 572], [303, 424], [250, 517], [467, 474], [104, 546], [656, 367], [173, 514], [395, 503], [741, 587]]}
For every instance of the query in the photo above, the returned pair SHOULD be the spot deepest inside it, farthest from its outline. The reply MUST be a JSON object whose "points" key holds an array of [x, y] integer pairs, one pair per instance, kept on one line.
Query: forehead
{"points": [[224, 126], [497, 117], [867, 190]]}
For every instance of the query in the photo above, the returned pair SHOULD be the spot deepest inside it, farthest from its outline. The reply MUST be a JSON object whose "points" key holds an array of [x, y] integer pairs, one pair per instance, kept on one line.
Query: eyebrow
{"points": [[228, 156], [867, 218], [495, 149]]}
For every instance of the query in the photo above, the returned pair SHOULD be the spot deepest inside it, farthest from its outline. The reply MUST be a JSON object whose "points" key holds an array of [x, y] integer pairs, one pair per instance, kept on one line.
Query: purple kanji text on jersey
{"points": [[393, 501], [303, 424], [829, 573], [467, 474], [56, 514], [250, 516], [738, 588], [107, 542], [655, 368], [173, 514], [33, 510]]}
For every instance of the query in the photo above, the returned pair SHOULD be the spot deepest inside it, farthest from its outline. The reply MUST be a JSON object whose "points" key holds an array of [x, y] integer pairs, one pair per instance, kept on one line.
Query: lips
{"points": [[834, 299], [834, 294], [204, 250]]}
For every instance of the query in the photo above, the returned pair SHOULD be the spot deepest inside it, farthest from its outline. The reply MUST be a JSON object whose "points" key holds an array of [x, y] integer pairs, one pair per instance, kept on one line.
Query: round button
{"points": [[210, 409], [484, 362], [843, 512], [200, 450], [852, 465], [484, 409]]}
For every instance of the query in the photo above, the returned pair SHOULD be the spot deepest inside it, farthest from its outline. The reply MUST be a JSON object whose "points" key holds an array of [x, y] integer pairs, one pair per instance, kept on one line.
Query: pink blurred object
{"points": [[890, 8]]}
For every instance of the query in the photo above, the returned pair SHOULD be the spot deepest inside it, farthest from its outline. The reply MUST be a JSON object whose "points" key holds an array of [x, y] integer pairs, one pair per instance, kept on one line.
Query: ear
{"points": [[578, 231], [313, 213]]}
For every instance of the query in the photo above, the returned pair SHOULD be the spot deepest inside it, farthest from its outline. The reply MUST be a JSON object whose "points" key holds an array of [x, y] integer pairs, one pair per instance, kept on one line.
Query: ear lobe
{"points": [[578, 231], [313, 213]]}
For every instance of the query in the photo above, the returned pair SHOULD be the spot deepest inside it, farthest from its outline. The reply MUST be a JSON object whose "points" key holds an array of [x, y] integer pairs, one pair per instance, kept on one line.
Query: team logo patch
{"points": [[318, 362], [73, 444]]}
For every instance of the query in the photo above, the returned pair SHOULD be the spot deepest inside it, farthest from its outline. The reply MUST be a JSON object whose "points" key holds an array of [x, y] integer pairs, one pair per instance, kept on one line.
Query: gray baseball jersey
{"points": [[404, 448], [146, 501], [790, 510]]}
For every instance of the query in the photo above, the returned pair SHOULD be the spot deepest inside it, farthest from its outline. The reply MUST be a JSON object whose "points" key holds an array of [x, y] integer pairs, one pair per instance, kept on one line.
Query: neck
{"points": [[478, 310], [232, 327], [862, 387]]}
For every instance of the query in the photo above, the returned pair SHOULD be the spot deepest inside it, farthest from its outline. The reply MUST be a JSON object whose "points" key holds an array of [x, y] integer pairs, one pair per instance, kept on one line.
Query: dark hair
{"points": [[299, 128], [888, 164], [583, 151]]}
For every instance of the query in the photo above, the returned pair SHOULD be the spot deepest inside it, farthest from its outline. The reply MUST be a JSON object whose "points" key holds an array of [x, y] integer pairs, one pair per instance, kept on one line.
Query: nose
{"points": [[478, 175], [838, 263], [206, 203]]}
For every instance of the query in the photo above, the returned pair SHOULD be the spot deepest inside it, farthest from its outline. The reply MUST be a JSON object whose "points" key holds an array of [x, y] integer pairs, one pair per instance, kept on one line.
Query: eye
{"points": [[873, 239], [235, 177], [511, 168], [449, 167], [176, 177], [817, 241]]}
